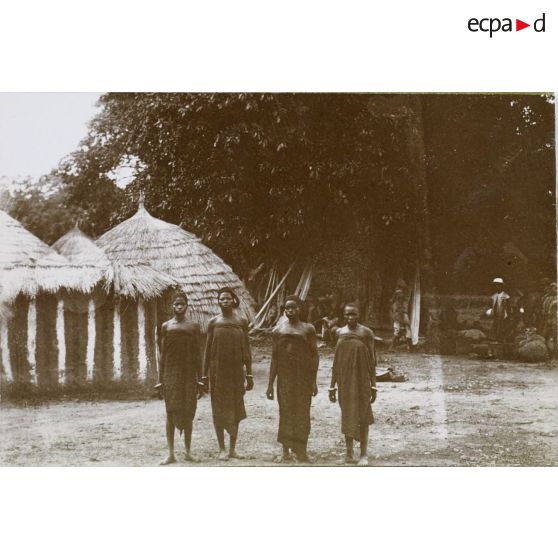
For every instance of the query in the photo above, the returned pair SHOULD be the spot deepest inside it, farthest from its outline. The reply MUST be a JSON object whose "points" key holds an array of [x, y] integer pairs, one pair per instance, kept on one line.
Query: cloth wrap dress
{"points": [[181, 365], [228, 352], [293, 358], [352, 367], [500, 312]]}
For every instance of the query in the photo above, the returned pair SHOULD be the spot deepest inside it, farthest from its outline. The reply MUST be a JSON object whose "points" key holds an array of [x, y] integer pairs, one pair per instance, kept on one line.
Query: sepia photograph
{"points": [[278, 279]]}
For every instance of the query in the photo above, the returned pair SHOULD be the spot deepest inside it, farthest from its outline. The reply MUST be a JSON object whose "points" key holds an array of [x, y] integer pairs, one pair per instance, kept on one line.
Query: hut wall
{"points": [[32, 340], [61, 341], [104, 337], [142, 346], [6, 373], [68, 347], [152, 375], [17, 340], [46, 343], [116, 342], [129, 340], [75, 336], [91, 335]]}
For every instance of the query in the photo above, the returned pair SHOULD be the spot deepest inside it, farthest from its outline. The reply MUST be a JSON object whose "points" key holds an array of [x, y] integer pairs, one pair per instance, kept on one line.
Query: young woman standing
{"points": [[354, 371], [228, 370], [179, 375], [294, 362]]}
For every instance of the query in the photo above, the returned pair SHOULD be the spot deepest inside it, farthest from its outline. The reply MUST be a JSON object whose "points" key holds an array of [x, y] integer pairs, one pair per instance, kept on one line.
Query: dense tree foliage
{"points": [[492, 182], [50, 208], [253, 174], [262, 177]]}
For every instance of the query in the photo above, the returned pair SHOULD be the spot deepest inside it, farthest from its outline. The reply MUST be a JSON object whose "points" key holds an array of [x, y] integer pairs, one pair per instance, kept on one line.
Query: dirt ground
{"points": [[453, 411]]}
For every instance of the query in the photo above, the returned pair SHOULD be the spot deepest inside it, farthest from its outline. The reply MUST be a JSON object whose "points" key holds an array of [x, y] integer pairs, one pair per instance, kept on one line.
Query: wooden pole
{"points": [[417, 156], [61, 341], [32, 340], [5, 348], [275, 291], [142, 347]]}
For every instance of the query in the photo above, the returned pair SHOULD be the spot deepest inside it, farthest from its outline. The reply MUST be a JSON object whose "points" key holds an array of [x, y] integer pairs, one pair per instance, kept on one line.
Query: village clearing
{"points": [[453, 411]]}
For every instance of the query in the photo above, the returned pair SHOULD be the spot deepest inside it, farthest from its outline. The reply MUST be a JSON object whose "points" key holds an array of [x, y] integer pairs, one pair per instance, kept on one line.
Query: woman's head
{"points": [[293, 307], [179, 303], [227, 298], [351, 312]]}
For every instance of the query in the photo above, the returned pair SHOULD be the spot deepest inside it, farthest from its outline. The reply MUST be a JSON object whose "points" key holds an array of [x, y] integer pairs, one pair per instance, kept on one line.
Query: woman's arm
{"points": [[197, 352], [247, 356], [273, 367], [315, 357], [161, 349], [313, 344], [207, 352], [333, 383], [372, 348]]}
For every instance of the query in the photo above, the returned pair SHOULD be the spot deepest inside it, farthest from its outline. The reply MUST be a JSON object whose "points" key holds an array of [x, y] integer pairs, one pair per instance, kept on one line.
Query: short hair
{"points": [[352, 305], [180, 296], [294, 298], [236, 300]]}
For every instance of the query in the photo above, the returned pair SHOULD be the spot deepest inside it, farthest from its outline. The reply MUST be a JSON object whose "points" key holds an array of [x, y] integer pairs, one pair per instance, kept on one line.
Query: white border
{"points": [[292, 45], [353, 45]]}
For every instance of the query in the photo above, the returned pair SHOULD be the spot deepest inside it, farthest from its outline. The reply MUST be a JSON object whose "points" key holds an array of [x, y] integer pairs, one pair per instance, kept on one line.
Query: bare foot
{"points": [[363, 461], [303, 458], [234, 455], [189, 457], [170, 459], [350, 460], [223, 456], [285, 458]]}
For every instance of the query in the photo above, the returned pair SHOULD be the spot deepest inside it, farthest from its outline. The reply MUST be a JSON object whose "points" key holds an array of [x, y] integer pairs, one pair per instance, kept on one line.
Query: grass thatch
{"points": [[29, 266], [170, 249], [129, 281], [78, 248]]}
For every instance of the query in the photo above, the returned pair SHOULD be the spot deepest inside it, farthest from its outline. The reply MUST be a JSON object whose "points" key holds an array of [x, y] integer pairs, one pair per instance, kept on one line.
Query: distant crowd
{"points": [[517, 318]]}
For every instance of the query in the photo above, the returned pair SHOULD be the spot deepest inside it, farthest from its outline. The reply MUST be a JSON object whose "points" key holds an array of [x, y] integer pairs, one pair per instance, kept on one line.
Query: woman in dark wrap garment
{"points": [[354, 371], [227, 355], [180, 370], [294, 362]]}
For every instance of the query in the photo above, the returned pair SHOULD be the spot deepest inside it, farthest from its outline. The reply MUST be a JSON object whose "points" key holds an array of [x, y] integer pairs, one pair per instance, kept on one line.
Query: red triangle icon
{"points": [[519, 25]]}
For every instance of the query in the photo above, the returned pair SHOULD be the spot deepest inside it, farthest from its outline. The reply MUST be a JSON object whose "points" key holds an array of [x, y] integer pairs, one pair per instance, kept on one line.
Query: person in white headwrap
{"points": [[499, 311]]}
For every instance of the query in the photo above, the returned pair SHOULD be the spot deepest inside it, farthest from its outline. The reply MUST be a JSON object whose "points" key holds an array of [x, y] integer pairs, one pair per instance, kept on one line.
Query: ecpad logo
{"points": [[492, 25]]}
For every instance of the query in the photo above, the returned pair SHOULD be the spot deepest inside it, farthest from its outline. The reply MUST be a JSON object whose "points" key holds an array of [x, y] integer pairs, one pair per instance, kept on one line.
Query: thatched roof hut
{"points": [[120, 332], [29, 266], [170, 249], [129, 281]]}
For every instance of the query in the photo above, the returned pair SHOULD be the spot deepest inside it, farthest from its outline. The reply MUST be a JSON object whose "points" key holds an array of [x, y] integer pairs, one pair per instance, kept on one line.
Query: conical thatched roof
{"points": [[127, 280], [77, 247], [170, 249], [28, 265]]}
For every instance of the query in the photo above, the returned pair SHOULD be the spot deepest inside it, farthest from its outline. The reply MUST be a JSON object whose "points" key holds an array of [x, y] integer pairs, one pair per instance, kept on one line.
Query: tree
{"points": [[265, 177], [255, 175]]}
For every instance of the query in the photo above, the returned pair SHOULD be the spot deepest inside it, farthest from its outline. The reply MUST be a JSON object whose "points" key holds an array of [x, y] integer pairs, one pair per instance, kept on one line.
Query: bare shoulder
{"points": [[165, 325], [340, 330], [367, 332], [244, 322], [309, 329], [212, 322]]}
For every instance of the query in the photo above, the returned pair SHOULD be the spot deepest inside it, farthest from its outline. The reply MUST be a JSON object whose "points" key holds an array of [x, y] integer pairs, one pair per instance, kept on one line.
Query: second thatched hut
{"points": [[111, 332], [167, 248]]}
